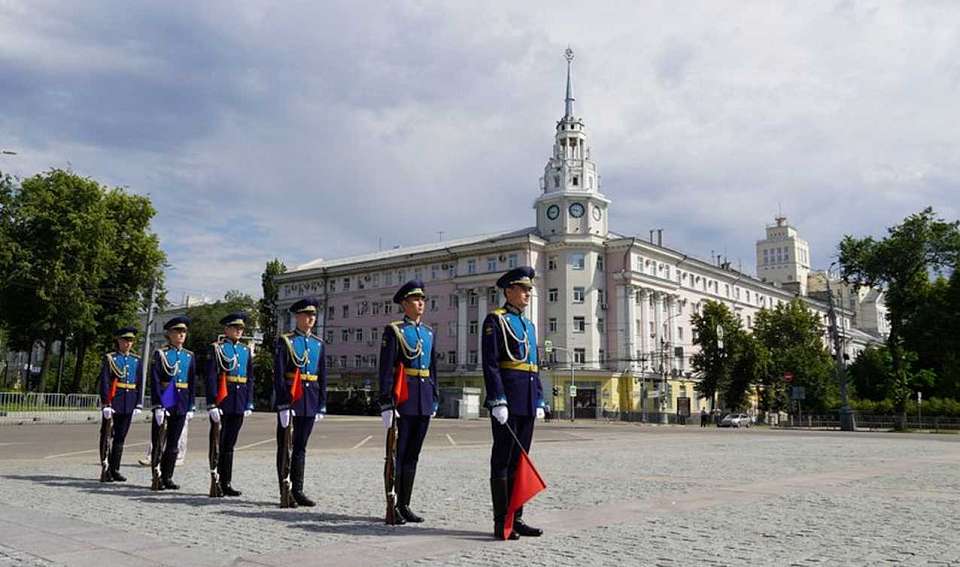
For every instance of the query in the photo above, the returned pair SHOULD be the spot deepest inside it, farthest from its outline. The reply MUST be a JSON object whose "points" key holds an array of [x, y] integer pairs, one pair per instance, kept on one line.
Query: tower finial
{"points": [[569, 100]]}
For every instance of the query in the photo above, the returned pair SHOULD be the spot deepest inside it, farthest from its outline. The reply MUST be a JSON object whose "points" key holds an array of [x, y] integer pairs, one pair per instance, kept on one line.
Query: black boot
{"points": [[498, 493], [296, 478], [225, 469], [403, 497], [167, 464], [115, 457], [523, 529]]}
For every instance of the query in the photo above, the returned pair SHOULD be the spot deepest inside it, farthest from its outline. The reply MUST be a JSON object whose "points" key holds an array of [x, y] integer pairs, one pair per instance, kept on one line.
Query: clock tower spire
{"points": [[570, 202]]}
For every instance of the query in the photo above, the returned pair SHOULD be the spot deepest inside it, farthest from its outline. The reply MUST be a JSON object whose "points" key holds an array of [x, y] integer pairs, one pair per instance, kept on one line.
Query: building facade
{"points": [[616, 308]]}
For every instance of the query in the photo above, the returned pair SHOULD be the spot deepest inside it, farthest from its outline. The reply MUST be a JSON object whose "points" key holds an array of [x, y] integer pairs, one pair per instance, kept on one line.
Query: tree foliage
{"points": [[267, 307], [727, 366], [205, 327]]}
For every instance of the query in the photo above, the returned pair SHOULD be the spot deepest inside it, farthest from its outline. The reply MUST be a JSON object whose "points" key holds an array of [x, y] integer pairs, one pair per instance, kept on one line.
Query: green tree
{"points": [[716, 360], [902, 263], [267, 307], [870, 373], [792, 334], [68, 269]]}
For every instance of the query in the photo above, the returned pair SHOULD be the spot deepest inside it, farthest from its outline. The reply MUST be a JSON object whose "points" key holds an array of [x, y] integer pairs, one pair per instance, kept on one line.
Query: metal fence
{"points": [[875, 422], [31, 407]]}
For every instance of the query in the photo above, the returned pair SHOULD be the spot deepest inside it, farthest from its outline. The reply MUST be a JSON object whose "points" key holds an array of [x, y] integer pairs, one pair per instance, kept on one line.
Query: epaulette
{"points": [[499, 311], [111, 353], [400, 322]]}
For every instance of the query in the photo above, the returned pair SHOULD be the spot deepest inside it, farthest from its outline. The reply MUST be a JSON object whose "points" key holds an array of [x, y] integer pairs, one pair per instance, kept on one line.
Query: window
{"points": [[680, 333], [387, 307], [331, 312], [556, 181], [346, 311], [329, 361], [578, 294], [601, 325], [552, 263], [418, 273], [577, 261], [452, 356], [602, 357], [329, 335], [552, 357], [601, 297], [471, 266], [373, 361], [374, 334], [346, 284], [451, 328], [376, 307], [552, 325], [401, 276], [472, 328], [388, 278], [358, 360], [491, 264], [433, 304], [552, 295], [472, 302], [333, 286], [579, 324], [576, 180], [343, 361], [492, 295], [512, 261], [472, 357], [344, 335], [600, 262], [359, 335], [375, 282], [434, 269], [579, 355]]}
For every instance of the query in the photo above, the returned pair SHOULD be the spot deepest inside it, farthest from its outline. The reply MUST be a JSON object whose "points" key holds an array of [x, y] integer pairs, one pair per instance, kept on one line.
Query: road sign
{"points": [[548, 346], [798, 393], [573, 391], [788, 376]]}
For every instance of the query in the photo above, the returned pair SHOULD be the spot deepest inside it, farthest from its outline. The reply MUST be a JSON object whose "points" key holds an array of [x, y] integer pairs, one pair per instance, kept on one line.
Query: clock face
{"points": [[553, 212], [597, 213], [576, 210]]}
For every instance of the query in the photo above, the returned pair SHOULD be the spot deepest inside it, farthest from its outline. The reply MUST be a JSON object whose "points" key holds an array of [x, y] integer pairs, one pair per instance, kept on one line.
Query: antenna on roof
{"points": [[440, 232]]}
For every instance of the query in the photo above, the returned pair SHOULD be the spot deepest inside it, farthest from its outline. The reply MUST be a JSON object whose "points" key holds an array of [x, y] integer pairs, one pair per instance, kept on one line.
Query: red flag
{"points": [[527, 482], [221, 389], [296, 389], [112, 392], [400, 392]]}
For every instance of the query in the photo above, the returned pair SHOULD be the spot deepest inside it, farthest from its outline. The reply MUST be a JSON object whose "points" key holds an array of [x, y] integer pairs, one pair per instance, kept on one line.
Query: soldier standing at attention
{"points": [[229, 392], [172, 381], [410, 343], [300, 386], [120, 389], [514, 391]]}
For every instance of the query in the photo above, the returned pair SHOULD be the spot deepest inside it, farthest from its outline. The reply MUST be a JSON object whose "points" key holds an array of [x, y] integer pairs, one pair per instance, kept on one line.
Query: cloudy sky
{"points": [[320, 129]]}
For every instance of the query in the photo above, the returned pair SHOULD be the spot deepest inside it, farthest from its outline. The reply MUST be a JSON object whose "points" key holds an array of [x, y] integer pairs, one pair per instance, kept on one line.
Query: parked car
{"points": [[736, 420]]}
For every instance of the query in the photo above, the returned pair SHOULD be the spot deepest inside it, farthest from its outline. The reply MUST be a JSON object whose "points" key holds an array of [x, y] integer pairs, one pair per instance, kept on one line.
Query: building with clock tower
{"points": [[616, 308]]}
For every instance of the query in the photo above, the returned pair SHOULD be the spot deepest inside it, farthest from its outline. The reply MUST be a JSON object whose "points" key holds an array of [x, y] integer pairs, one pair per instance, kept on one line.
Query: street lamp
{"points": [[549, 347], [847, 419]]}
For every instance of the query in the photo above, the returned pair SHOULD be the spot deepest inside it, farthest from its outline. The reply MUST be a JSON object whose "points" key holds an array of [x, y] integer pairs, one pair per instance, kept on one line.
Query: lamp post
{"points": [[847, 419], [549, 347]]}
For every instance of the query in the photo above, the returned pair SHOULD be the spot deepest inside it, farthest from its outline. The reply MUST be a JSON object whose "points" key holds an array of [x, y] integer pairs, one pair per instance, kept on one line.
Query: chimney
{"points": [[660, 237]]}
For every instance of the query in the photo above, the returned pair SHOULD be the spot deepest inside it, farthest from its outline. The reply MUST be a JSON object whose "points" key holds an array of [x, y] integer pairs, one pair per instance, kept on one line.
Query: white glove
{"points": [[246, 413], [318, 417], [285, 415], [387, 417], [214, 414], [136, 412], [540, 413], [107, 412], [434, 414], [189, 415], [500, 413], [158, 415]]}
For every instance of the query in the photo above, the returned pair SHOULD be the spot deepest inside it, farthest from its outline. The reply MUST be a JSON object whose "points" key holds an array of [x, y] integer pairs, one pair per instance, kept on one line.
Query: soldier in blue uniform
{"points": [[173, 404], [233, 359], [121, 389], [410, 343], [514, 391], [299, 350]]}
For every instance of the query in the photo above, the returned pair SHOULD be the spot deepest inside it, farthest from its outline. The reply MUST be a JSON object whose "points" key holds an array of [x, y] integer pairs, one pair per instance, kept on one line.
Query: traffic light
{"points": [[556, 391]]}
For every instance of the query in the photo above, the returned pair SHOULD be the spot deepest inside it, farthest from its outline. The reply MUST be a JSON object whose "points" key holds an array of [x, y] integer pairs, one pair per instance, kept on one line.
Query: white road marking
{"points": [[361, 444], [450, 439], [270, 440], [91, 451]]}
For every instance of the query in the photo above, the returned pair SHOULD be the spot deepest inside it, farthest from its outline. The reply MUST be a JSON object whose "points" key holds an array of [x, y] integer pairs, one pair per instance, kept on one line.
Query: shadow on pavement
{"points": [[82, 483]]}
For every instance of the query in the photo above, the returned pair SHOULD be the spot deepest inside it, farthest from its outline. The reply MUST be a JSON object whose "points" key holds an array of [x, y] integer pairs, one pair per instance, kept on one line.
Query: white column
{"points": [[481, 314], [658, 326], [623, 341], [671, 323], [644, 296], [462, 300], [631, 328]]}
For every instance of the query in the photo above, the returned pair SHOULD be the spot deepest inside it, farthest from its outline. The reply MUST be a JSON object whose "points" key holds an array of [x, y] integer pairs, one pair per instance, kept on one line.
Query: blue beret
{"points": [[412, 287], [305, 305], [126, 333], [181, 322], [517, 276], [238, 318]]}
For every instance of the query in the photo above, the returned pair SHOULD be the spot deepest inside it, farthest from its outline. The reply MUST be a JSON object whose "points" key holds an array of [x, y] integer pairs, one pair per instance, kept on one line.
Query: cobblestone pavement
{"points": [[618, 494]]}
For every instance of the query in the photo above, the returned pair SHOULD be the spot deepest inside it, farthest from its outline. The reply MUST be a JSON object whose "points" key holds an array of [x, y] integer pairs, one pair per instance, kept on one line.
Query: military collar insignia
{"points": [[510, 308]]}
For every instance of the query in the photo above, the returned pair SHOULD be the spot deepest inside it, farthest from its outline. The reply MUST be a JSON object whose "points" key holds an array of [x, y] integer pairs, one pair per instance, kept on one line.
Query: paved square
{"points": [[618, 494]]}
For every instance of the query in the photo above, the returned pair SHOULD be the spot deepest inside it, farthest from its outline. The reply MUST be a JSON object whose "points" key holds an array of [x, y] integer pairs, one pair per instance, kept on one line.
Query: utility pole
{"points": [[144, 361], [847, 419]]}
